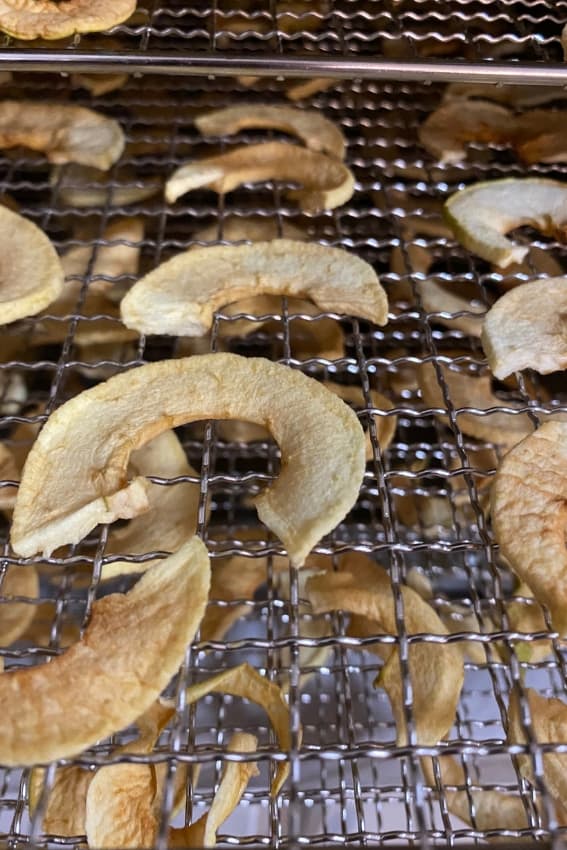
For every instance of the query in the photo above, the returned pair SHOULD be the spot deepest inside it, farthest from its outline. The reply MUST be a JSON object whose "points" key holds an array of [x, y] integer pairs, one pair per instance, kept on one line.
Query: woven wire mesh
{"points": [[422, 506], [373, 30]]}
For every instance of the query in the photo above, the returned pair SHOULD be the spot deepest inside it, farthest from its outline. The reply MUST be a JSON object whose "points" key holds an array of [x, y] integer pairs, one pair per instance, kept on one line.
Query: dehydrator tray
{"points": [[422, 506]]}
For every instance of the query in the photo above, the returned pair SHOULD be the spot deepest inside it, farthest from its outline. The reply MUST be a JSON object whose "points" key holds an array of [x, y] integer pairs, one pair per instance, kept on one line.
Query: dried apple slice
{"points": [[131, 648], [528, 499], [172, 515], [327, 182], [8, 472], [181, 295], [519, 97], [474, 391], [82, 186], [481, 215], [233, 784], [321, 441], [314, 130], [51, 20], [307, 88], [15, 617], [63, 131], [363, 587], [447, 130], [99, 84], [527, 329], [437, 298], [31, 276]]}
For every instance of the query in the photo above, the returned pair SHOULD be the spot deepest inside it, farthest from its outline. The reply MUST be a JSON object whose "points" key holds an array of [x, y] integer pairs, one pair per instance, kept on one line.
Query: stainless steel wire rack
{"points": [[422, 506], [396, 39]]}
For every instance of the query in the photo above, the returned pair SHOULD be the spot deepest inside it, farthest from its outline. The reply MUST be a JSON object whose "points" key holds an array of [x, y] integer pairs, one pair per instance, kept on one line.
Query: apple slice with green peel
{"points": [[481, 215]]}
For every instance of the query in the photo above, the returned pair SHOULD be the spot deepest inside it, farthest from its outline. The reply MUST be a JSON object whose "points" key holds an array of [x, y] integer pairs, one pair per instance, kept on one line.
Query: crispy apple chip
{"points": [[31, 276], [475, 391], [527, 329], [50, 20], [63, 131], [172, 514], [548, 717], [481, 215], [363, 587], [15, 617], [83, 186], [233, 784], [327, 182], [316, 131], [131, 648], [321, 441], [181, 295], [449, 128], [453, 308], [528, 506]]}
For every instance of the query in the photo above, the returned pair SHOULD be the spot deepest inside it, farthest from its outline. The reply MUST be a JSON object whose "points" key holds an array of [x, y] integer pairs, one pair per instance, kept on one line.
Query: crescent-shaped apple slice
{"points": [[31, 275], [321, 441], [29, 19], [314, 130], [483, 214], [181, 295], [131, 648], [527, 329], [63, 131], [327, 182], [529, 516]]}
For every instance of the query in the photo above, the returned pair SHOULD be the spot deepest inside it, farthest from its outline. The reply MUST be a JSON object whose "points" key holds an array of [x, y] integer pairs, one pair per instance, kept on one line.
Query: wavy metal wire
{"points": [[350, 783]]}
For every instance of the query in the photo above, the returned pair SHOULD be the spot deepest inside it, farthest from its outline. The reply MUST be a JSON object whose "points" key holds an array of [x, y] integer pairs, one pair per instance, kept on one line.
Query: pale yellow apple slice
{"points": [[131, 648], [448, 129], [327, 182], [48, 19], [527, 329], [314, 130], [529, 516], [321, 441], [31, 276], [481, 215], [83, 186], [63, 131], [15, 617], [181, 295]]}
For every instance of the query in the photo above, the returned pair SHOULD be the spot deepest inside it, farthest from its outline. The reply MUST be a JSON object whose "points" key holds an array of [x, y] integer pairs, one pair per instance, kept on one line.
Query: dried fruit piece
{"points": [[15, 617], [63, 131], [528, 499], [320, 438], [475, 391], [29, 19], [363, 587], [527, 329], [314, 130], [99, 84], [327, 182], [437, 298], [82, 186], [449, 128], [181, 295], [520, 97], [131, 648], [481, 215], [8, 472], [31, 276], [307, 88]]}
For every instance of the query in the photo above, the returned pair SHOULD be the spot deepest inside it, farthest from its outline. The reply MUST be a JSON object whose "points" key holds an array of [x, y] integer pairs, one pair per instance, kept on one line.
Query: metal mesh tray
{"points": [[399, 39], [421, 507]]}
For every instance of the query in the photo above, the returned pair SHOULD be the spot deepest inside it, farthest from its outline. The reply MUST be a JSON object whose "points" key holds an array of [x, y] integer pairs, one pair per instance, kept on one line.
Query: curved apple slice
{"points": [[63, 131], [527, 329], [314, 130], [31, 276], [181, 295], [481, 215], [29, 19], [529, 514], [447, 130], [321, 441], [327, 182], [131, 648]]}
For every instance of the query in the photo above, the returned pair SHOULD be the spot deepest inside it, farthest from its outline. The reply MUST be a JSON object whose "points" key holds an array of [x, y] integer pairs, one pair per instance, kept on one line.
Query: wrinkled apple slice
{"points": [[363, 587], [483, 214], [180, 296], [327, 182], [321, 441], [475, 391], [15, 617], [528, 507], [47, 19], [316, 131], [527, 329], [82, 186], [31, 276], [449, 128], [131, 648], [63, 131]]}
